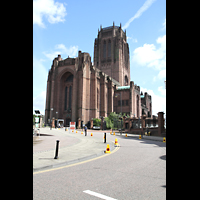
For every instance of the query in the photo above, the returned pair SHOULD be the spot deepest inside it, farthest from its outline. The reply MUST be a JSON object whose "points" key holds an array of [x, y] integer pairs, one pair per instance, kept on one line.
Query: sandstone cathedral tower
{"points": [[76, 89]]}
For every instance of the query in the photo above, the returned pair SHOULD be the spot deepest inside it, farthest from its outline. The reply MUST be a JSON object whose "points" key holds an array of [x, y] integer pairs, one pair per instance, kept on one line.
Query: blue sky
{"points": [[65, 27]]}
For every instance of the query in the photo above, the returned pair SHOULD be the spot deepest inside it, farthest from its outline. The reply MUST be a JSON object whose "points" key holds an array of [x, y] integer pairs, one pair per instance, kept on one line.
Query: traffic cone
{"points": [[126, 135], [76, 131], [108, 149], [140, 137], [91, 134], [82, 132], [164, 139], [72, 131], [116, 142]]}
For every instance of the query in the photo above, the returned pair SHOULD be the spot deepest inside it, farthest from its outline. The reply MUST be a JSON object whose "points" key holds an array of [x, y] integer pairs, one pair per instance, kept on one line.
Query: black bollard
{"points": [[56, 154], [104, 137]]}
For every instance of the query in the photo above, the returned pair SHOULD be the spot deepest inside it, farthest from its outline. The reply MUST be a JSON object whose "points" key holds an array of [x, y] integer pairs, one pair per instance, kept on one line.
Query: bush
{"points": [[109, 123], [96, 122]]}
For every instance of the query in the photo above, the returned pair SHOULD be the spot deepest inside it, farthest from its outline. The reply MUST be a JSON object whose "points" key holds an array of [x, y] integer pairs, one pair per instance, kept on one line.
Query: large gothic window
{"points": [[70, 78], [70, 97], [67, 93], [109, 48], [126, 80], [104, 49], [137, 106], [66, 98]]}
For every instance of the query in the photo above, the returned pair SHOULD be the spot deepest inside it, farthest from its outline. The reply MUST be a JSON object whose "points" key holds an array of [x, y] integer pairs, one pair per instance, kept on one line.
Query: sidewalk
{"points": [[154, 138], [73, 147]]}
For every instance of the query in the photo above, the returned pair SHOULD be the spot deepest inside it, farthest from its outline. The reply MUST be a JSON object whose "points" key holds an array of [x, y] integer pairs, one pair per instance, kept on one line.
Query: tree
{"points": [[96, 122], [109, 123]]}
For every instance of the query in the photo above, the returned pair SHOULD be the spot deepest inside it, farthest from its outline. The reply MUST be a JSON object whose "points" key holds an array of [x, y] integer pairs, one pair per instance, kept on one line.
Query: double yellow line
{"points": [[79, 163]]}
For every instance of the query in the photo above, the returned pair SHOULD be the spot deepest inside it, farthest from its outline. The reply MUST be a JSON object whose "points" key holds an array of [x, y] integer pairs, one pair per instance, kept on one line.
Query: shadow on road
{"points": [[145, 141], [163, 157]]}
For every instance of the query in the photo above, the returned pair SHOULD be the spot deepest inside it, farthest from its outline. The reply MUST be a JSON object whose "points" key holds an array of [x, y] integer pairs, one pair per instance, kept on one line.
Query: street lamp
{"points": [[116, 95]]}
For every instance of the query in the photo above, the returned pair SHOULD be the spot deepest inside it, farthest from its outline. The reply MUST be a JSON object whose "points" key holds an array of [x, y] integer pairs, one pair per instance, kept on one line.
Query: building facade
{"points": [[78, 89]]}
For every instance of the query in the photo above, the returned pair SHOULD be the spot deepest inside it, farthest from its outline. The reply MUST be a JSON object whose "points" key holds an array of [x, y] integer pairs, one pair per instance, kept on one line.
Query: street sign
{"points": [[72, 125]]}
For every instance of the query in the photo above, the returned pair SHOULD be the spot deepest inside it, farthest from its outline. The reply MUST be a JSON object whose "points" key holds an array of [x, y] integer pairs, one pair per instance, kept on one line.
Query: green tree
{"points": [[96, 122], [109, 123]]}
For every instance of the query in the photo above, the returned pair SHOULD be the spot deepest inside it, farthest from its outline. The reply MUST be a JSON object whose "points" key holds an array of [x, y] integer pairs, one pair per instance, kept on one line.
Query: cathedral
{"points": [[78, 89]]}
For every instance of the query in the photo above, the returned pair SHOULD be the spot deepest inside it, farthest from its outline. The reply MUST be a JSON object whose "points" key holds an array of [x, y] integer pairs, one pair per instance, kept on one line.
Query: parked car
{"points": [[96, 127]]}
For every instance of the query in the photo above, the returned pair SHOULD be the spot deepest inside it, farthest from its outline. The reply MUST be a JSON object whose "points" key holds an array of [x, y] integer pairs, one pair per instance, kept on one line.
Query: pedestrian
{"points": [[58, 125], [85, 130]]}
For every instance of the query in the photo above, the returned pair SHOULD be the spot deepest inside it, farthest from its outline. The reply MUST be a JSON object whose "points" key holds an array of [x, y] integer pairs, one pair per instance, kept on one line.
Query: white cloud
{"points": [[144, 7], [162, 90], [164, 25], [149, 56], [52, 55], [162, 74], [71, 51], [134, 40], [39, 102], [39, 84], [158, 101], [54, 12], [39, 75]]}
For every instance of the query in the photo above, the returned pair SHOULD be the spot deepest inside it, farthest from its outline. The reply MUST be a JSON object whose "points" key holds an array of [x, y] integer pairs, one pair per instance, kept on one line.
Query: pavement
{"points": [[135, 170], [73, 147]]}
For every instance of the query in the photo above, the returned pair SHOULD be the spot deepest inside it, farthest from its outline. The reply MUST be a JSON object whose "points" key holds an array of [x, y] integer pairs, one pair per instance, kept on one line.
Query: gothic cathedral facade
{"points": [[78, 89]]}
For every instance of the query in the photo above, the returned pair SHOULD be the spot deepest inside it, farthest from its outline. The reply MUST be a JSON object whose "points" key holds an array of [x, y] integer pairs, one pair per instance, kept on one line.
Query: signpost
{"points": [[72, 125]]}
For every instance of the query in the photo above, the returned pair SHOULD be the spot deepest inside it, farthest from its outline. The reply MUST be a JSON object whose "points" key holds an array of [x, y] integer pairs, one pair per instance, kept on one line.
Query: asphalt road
{"points": [[137, 170]]}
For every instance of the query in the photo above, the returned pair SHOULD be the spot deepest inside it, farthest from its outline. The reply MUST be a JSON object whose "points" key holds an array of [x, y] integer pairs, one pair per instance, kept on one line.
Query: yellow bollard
{"points": [[108, 149], [164, 140], [116, 142], [114, 133], [140, 137], [126, 135], [91, 134]]}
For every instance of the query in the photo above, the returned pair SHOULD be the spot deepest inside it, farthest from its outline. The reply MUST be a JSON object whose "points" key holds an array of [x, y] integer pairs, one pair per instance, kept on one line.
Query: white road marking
{"points": [[98, 195]]}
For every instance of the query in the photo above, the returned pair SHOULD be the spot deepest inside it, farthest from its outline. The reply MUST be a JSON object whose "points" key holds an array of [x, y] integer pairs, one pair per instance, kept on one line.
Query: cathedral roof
{"points": [[123, 87]]}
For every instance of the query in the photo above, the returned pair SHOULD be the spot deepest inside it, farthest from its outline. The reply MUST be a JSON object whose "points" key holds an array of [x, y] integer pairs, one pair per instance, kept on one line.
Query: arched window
{"points": [[70, 97], [70, 78], [137, 106], [66, 98], [126, 80], [104, 49], [109, 48]]}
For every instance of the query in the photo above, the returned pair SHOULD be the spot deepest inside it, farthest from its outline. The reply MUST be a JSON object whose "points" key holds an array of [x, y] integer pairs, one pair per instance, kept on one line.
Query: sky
{"points": [[67, 26]]}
